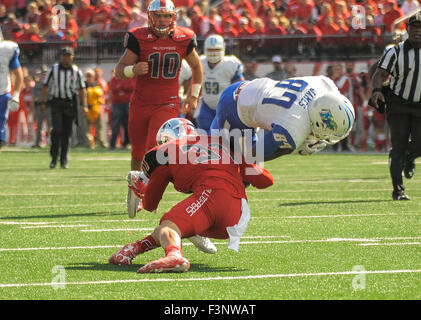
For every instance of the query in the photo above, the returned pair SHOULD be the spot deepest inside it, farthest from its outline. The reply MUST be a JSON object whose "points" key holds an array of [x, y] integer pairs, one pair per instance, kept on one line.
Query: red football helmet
{"points": [[157, 7], [175, 128]]}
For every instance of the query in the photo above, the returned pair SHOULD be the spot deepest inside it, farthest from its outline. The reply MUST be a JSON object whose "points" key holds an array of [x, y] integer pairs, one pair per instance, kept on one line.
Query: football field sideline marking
{"points": [[329, 240], [249, 277]]}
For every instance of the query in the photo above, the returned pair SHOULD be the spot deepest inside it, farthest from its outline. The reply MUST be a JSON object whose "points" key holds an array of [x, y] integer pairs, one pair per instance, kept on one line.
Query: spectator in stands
{"points": [[342, 10], [3, 13], [30, 42], [198, 21], [250, 68], [84, 15], [71, 24], [299, 9], [215, 18], [261, 8], [54, 36], [45, 16], [11, 28], [183, 3], [120, 7], [228, 29], [242, 5], [326, 13], [100, 17], [138, 19], [278, 73], [226, 8], [392, 12], [409, 6], [281, 5], [33, 15]]}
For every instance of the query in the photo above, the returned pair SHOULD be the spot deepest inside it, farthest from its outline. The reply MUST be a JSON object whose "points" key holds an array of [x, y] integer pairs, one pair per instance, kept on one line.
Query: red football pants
{"points": [[144, 123], [207, 212]]}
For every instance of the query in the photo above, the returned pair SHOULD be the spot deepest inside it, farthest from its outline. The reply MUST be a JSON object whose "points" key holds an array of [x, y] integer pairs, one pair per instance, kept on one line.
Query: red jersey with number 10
{"points": [[164, 56]]}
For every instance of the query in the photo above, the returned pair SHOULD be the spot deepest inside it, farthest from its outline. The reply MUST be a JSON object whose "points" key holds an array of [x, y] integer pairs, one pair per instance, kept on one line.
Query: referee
{"points": [[64, 81], [402, 63]]}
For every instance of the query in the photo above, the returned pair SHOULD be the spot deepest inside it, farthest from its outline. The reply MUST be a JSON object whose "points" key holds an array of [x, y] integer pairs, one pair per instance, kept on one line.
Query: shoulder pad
{"points": [[143, 34], [182, 34]]}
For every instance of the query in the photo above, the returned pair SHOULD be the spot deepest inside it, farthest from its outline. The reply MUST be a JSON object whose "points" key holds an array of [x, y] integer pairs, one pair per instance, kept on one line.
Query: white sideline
{"points": [[263, 276]]}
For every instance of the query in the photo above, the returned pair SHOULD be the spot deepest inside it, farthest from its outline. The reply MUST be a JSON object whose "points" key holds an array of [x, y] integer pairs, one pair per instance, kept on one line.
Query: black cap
{"points": [[415, 18], [67, 50]]}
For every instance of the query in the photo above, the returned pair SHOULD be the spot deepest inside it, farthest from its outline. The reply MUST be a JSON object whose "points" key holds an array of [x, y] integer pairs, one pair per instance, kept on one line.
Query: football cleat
{"points": [[132, 202], [203, 244], [172, 262], [124, 256], [409, 169], [135, 193], [400, 195]]}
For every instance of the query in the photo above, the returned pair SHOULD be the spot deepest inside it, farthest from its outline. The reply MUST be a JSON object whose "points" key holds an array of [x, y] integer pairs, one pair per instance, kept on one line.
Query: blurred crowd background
{"points": [[277, 33]]}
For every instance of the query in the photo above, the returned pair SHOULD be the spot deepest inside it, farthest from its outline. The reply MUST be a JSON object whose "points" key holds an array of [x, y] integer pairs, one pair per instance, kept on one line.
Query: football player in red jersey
{"points": [[217, 208], [154, 54]]}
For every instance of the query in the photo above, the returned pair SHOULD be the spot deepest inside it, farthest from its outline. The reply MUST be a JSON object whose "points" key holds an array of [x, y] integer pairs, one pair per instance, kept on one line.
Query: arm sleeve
{"points": [[192, 45], [388, 60], [14, 61], [131, 43], [155, 188], [48, 76]]}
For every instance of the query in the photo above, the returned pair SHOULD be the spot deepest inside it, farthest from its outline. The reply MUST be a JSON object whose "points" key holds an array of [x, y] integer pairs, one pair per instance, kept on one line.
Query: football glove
{"points": [[13, 103], [311, 146]]}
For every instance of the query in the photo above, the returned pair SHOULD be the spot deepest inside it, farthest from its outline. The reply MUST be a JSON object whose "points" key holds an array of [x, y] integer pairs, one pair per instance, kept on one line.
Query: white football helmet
{"points": [[161, 7], [214, 48], [331, 117], [175, 128]]}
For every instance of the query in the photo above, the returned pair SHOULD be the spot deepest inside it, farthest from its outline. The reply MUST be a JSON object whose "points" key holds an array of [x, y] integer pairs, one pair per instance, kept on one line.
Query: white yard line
{"points": [[229, 278], [125, 229], [391, 244], [329, 240], [55, 226]]}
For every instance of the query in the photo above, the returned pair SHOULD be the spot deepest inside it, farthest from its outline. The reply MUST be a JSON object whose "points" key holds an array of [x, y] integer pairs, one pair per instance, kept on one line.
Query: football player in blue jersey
{"points": [[302, 115], [9, 64]]}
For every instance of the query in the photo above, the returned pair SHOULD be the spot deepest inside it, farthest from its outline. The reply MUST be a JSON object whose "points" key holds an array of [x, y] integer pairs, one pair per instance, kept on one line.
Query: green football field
{"points": [[327, 229]]}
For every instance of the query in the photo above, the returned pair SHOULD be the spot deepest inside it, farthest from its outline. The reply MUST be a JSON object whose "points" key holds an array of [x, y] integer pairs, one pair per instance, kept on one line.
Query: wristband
{"points": [[195, 90], [128, 71], [376, 90]]}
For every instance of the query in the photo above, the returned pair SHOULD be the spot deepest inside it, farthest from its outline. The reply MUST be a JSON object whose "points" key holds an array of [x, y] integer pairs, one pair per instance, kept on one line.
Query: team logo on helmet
{"points": [[327, 119]]}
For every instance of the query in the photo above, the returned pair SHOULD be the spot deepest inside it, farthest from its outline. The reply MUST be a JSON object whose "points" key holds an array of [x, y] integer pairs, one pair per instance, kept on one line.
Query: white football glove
{"points": [[311, 146], [13, 103]]}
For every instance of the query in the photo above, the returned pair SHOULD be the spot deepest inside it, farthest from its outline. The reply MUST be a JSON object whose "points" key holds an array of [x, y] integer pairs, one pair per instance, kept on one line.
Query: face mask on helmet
{"points": [[165, 10], [214, 48], [175, 128], [331, 117]]}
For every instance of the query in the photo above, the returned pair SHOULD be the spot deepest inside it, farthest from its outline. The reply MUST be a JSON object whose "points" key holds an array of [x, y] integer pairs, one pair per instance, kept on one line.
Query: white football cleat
{"points": [[203, 244], [132, 200]]}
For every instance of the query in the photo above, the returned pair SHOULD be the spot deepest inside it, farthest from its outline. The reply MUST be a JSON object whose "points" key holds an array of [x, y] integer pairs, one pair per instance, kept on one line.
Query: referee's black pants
{"points": [[63, 112], [405, 124]]}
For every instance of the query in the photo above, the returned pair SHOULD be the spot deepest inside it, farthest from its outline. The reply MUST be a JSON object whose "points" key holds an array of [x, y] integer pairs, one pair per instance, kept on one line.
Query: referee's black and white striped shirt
{"points": [[64, 82], [403, 63]]}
